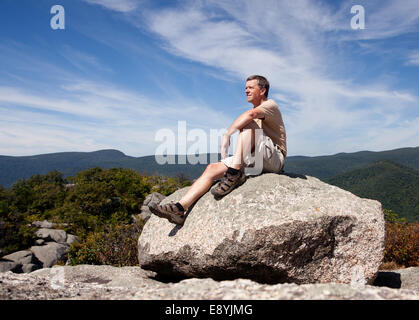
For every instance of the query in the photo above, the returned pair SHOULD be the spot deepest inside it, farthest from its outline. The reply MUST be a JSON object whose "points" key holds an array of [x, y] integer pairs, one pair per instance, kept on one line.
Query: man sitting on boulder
{"points": [[262, 133]]}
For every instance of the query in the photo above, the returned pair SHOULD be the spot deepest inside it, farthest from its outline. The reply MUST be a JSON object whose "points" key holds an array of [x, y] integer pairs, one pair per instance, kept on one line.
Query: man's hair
{"points": [[263, 83]]}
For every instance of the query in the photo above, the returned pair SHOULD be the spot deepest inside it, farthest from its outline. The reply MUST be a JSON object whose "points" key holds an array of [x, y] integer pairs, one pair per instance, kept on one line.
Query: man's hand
{"points": [[225, 144], [237, 125]]}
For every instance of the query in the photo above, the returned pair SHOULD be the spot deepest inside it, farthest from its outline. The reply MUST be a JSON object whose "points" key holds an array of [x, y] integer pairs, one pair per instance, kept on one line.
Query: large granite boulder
{"points": [[50, 253], [273, 229]]}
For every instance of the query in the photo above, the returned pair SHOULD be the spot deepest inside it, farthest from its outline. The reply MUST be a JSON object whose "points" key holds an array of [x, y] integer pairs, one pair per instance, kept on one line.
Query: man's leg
{"points": [[245, 145], [175, 212], [234, 175], [203, 183]]}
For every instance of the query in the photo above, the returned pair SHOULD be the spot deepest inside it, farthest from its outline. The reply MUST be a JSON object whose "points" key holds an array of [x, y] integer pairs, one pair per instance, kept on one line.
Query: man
{"points": [[269, 147]]}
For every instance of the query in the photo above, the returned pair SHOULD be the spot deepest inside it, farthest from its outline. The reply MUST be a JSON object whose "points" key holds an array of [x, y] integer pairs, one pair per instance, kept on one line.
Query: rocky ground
{"points": [[86, 282], [320, 242]]}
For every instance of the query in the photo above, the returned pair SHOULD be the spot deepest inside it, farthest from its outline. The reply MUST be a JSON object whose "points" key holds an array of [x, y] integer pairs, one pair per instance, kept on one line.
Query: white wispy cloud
{"points": [[298, 45], [386, 19], [93, 116], [289, 43], [119, 5], [413, 58], [81, 60]]}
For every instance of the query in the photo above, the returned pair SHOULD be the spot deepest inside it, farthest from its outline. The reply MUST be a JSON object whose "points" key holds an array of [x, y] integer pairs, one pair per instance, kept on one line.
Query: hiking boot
{"points": [[228, 183], [168, 211]]}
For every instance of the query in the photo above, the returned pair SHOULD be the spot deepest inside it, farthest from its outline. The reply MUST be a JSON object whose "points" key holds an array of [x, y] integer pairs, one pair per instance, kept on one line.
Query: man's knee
{"points": [[211, 168], [214, 169]]}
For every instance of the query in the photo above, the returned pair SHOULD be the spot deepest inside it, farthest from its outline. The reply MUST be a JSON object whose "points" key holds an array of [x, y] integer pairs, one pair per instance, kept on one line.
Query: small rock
{"points": [[6, 265], [50, 253], [23, 257], [59, 236], [26, 268], [42, 224], [410, 278], [25, 260], [399, 279], [72, 238], [152, 197]]}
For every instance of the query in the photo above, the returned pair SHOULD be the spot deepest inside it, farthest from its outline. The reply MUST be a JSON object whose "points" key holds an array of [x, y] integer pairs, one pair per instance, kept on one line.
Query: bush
{"points": [[402, 241], [15, 234], [116, 246]]}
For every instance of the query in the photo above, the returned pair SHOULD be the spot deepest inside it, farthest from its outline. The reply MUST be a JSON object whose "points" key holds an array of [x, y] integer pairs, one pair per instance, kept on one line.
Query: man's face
{"points": [[253, 93]]}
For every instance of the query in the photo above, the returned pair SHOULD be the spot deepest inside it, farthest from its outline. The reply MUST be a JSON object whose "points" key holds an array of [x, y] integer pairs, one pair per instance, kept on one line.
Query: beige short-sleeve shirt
{"points": [[273, 125]]}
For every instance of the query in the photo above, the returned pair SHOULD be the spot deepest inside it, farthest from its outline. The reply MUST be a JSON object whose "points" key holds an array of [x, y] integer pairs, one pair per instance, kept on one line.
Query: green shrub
{"points": [[402, 241], [15, 233], [116, 246], [95, 206]]}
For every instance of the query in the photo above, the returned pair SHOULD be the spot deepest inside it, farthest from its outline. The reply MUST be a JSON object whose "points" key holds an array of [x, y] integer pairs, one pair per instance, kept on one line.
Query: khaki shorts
{"points": [[267, 157]]}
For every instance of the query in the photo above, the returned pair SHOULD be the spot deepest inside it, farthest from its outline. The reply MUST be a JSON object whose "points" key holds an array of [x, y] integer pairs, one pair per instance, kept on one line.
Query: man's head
{"points": [[257, 89]]}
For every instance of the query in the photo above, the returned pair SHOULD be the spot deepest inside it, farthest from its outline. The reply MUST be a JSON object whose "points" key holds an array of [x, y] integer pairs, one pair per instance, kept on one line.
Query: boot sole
{"points": [[173, 218], [219, 196]]}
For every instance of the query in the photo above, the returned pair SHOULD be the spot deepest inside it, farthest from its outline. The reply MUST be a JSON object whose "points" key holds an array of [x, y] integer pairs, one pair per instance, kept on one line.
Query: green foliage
{"points": [[115, 245], [402, 241], [391, 217], [97, 205], [99, 197], [38, 194], [394, 185], [15, 234]]}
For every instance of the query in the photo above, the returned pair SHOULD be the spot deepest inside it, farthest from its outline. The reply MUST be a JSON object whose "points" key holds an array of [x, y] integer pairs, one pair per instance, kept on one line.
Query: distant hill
{"points": [[69, 163], [388, 176], [324, 167], [394, 185]]}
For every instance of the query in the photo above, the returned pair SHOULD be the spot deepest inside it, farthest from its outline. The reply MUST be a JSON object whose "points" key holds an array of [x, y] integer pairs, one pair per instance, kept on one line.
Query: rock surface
{"points": [[51, 246], [22, 257], [7, 265], [20, 261], [106, 282], [273, 229], [52, 235], [402, 278], [43, 224], [152, 197], [50, 253]]}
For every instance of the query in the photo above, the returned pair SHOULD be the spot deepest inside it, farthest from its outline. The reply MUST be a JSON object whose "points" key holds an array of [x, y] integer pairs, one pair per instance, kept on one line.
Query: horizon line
{"points": [[288, 156]]}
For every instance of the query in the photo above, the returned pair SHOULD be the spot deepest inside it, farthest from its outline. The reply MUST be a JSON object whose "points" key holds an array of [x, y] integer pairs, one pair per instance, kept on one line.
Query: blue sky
{"points": [[122, 70]]}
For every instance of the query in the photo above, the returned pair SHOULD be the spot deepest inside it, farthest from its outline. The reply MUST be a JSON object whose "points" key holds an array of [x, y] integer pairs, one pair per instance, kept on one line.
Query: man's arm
{"points": [[244, 119], [237, 125]]}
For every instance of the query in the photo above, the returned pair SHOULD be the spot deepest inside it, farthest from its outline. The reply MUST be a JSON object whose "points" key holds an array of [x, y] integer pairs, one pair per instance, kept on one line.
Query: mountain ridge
{"points": [[396, 186], [390, 183], [13, 168]]}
